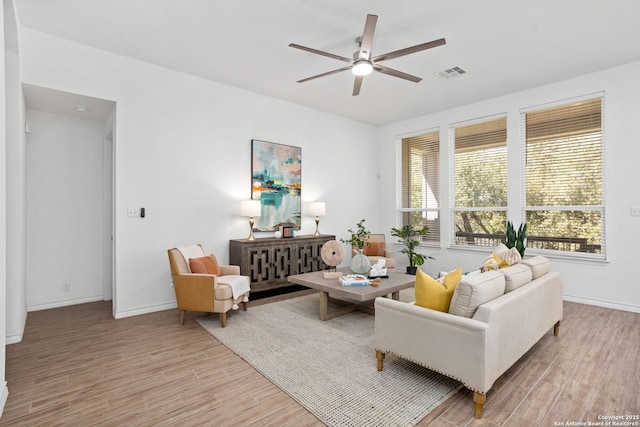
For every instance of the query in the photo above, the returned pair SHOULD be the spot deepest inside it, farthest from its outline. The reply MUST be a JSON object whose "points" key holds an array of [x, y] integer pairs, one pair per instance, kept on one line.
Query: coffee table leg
{"points": [[396, 296], [324, 305]]}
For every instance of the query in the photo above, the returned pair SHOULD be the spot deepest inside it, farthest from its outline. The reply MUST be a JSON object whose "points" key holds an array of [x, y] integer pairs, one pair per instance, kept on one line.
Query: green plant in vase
{"points": [[410, 238], [360, 264], [516, 239]]}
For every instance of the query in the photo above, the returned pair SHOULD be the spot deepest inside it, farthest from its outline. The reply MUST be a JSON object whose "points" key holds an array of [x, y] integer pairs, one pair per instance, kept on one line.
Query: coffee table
{"points": [[351, 297]]}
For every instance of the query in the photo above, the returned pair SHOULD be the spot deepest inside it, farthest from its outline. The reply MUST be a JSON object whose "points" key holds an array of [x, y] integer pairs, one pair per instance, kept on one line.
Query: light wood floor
{"points": [[78, 366]]}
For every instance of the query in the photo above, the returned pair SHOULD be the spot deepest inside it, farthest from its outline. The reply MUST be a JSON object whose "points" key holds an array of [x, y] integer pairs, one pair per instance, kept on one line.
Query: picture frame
{"points": [[286, 231], [276, 181]]}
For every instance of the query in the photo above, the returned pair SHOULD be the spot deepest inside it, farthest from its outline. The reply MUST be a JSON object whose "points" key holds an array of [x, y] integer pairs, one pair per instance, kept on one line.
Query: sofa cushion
{"points": [[539, 265], [374, 249], [474, 290], [515, 276], [223, 292], [431, 293], [205, 265]]}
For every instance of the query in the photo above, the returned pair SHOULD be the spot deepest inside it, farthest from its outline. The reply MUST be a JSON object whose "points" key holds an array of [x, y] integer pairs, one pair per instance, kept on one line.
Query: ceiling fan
{"points": [[363, 63]]}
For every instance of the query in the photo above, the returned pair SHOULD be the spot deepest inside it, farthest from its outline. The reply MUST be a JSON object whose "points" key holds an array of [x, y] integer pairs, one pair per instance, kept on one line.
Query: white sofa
{"points": [[477, 345]]}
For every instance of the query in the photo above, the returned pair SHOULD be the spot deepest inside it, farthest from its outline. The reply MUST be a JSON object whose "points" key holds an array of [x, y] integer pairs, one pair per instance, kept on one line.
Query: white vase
{"points": [[360, 264]]}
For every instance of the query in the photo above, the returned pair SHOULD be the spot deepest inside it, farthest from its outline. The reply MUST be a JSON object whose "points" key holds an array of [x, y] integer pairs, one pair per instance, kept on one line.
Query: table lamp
{"points": [[252, 209], [317, 209]]}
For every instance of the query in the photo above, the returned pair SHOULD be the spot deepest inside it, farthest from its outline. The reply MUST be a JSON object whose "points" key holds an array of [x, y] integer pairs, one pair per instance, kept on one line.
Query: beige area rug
{"points": [[330, 367]]}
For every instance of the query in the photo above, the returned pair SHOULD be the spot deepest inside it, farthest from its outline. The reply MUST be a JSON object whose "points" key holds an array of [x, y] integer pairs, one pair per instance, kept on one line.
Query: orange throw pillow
{"points": [[205, 265], [374, 249]]}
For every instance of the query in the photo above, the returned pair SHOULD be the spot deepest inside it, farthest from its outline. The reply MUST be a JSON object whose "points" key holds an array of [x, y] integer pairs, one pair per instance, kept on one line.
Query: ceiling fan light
{"points": [[362, 67]]}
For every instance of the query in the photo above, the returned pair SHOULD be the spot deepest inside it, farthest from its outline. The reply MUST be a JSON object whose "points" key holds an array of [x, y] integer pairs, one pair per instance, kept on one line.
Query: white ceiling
{"points": [[505, 45]]}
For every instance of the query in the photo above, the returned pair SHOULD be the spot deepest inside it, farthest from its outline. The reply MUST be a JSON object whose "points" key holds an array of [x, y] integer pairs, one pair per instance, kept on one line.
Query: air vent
{"points": [[451, 72]]}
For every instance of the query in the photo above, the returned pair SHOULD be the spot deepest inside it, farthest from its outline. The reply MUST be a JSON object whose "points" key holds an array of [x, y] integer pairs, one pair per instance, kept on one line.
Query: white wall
{"points": [[16, 204], [65, 215], [10, 108], [182, 151], [609, 284]]}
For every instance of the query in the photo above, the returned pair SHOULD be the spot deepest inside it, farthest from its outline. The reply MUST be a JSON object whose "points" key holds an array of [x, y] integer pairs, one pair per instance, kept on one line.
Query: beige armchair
{"points": [[208, 293], [377, 249]]}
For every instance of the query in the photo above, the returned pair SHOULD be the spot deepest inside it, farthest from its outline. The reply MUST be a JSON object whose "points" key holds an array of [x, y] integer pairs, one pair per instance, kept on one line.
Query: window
{"points": [[419, 180], [479, 182], [563, 177]]}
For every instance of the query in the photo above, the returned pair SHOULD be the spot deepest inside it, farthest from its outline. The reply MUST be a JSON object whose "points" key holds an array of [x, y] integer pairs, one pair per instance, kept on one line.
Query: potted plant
{"points": [[410, 237], [516, 239], [358, 239]]}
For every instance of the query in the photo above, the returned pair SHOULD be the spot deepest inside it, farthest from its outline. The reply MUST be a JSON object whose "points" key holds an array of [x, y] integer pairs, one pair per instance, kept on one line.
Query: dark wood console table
{"points": [[269, 261]]}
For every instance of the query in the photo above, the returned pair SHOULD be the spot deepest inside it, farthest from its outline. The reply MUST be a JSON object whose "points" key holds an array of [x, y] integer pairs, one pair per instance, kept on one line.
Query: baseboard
{"points": [[145, 310], [14, 339], [65, 303], [600, 303], [3, 397]]}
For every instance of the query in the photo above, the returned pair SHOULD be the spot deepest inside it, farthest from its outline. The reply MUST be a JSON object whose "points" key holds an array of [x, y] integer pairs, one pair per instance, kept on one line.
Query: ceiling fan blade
{"points": [[328, 73], [367, 37], [396, 73], [357, 84], [319, 52], [409, 50]]}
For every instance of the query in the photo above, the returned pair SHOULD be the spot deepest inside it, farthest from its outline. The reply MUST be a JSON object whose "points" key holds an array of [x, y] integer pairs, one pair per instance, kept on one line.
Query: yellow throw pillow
{"points": [[432, 294]]}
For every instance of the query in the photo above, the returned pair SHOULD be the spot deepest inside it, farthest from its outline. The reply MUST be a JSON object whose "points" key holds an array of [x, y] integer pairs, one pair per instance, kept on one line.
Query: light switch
{"points": [[635, 210]]}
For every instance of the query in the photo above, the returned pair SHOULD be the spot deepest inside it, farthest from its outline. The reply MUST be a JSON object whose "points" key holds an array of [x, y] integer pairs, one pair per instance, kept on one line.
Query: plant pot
{"points": [[412, 270], [360, 264]]}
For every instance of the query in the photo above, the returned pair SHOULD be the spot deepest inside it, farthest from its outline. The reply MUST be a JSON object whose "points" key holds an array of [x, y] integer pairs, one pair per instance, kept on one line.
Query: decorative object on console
{"points": [[252, 209], [276, 172], [410, 238], [286, 231], [317, 209], [277, 234]]}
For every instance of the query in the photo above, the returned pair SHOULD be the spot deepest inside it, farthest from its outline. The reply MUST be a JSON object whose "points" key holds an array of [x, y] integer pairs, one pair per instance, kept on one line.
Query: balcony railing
{"points": [[568, 244]]}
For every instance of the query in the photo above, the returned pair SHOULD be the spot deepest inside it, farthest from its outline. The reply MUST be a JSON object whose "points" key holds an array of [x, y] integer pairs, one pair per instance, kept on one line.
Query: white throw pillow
{"points": [[475, 290]]}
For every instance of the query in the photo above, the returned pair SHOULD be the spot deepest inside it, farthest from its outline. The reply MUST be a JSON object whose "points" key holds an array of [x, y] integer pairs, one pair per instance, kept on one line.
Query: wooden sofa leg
{"points": [[380, 357], [479, 399], [556, 328], [244, 306], [182, 314], [223, 320]]}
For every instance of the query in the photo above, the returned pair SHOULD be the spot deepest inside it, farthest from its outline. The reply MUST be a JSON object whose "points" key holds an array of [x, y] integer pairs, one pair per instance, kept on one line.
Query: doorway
{"points": [[69, 193]]}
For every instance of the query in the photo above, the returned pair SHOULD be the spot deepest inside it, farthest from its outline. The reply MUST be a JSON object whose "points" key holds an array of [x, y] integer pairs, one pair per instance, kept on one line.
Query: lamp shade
{"points": [[250, 208], [317, 209]]}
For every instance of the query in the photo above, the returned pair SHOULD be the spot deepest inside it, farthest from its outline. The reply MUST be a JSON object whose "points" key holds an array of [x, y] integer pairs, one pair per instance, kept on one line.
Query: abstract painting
{"points": [[276, 172]]}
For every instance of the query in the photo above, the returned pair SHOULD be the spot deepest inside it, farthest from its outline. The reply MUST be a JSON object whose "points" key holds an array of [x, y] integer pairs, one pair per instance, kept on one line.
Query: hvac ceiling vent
{"points": [[451, 73]]}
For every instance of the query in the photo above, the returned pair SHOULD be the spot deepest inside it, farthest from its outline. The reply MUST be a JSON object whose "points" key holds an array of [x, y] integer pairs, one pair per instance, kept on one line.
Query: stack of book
{"points": [[354, 280]]}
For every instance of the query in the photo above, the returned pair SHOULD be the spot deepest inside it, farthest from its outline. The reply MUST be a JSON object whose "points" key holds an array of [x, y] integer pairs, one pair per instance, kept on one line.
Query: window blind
{"points": [[480, 182], [563, 168], [419, 181]]}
